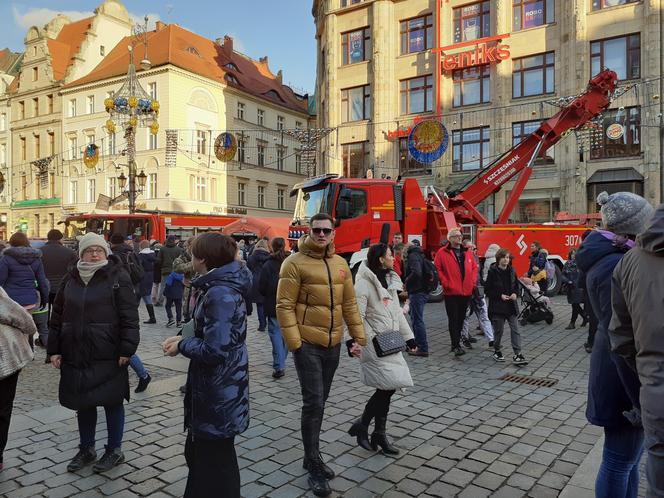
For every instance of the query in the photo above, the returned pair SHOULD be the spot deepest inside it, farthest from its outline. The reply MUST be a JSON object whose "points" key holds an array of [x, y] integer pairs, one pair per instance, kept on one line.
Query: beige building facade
{"points": [[504, 66]]}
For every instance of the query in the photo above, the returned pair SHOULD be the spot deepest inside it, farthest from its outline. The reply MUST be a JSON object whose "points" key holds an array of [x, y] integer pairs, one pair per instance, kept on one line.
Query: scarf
{"points": [[87, 270], [619, 241]]}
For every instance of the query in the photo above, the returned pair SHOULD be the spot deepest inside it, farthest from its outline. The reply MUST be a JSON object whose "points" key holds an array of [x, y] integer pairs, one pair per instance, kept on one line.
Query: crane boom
{"points": [[519, 159]]}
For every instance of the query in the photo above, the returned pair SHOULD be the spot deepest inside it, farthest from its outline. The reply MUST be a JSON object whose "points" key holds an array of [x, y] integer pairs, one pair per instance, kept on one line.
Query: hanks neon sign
{"points": [[484, 53]]}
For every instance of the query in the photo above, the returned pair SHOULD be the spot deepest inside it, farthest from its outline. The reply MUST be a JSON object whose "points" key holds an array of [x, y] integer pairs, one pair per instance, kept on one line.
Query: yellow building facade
{"points": [[504, 66]]}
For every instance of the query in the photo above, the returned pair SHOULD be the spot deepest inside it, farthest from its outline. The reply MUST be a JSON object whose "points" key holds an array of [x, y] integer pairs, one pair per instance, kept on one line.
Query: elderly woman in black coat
{"points": [[571, 275], [93, 332]]}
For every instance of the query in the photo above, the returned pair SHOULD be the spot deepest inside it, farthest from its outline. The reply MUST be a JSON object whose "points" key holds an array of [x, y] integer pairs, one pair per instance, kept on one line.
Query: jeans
{"points": [[178, 309], [262, 321], [213, 468], [158, 291], [377, 406], [456, 307], [498, 323], [87, 425], [279, 350], [147, 300], [482, 318], [417, 302], [137, 366], [41, 322], [7, 395], [618, 474], [315, 367]]}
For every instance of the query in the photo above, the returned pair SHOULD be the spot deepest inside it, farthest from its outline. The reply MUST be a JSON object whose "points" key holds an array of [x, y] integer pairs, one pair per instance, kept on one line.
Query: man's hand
{"points": [[505, 297], [513, 297], [56, 360], [170, 345], [356, 350], [123, 360]]}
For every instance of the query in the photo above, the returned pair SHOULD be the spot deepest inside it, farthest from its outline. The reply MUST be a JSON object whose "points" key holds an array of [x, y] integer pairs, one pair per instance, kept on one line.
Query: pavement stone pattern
{"points": [[462, 431]]}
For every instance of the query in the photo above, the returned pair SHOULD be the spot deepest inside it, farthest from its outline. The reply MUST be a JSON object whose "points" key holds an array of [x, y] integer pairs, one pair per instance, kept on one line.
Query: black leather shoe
{"points": [[328, 473], [361, 432], [278, 374], [467, 344], [143, 384], [83, 458], [472, 339], [317, 480], [109, 459], [458, 351]]}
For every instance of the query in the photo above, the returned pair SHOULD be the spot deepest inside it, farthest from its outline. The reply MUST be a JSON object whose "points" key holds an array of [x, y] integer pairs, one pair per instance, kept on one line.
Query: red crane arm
{"points": [[520, 158]]}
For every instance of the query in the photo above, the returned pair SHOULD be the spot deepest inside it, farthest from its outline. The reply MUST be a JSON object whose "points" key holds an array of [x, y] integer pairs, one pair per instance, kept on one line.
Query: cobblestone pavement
{"points": [[463, 431]]}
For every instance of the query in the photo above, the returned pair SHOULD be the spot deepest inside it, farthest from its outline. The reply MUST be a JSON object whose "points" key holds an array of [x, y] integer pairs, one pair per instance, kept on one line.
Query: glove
{"points": [[634, 417]]}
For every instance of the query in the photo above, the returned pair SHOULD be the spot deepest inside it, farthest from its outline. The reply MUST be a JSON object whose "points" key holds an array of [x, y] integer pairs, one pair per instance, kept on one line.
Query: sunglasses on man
{"points": [[317, 231]]}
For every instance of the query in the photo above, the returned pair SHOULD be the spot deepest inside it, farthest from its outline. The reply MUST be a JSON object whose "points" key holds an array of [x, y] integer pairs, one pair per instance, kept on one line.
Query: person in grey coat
{"points": [[636, 332], [377, 288]]}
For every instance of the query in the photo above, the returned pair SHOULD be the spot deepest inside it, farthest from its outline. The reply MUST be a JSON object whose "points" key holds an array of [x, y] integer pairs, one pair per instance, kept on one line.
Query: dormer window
{"points": [[231, 79], [192, 50], [232, 66], [273, 95]]}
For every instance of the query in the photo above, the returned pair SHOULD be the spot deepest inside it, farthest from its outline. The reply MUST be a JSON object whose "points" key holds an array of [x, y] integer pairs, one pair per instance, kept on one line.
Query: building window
{"points": [[408, 165], [21, 110], [416, 95], [470, 149], [346, 3], [73, 192], [355, 46], [280, 122], [260, 117], [111, 143], [240, 110], [49, 104], [201, 141], [281, 153], [37, 146], [260, 149], [621, 54], [355, 157], [152, 186], [152, 90], [603, 4], [24, 151], [91, 104], [51, 143], [72, 108], [91, 194], [281, 195], [241, 200], [102, 50], [111, 186], [91, 139], [3, 155], [355, 104], [298, 125], [521, 131], [416, 34], [213, 189], [51, 178], [472, 86], [241, 148], [24, 186], [35, 106], [537, 210], [201, 187], [472, 21], [298, 163], [534, 75], [73, 148], [531, 13], [261, 196], [152, 141], [619, 135], [3, 121], [35, 73]]}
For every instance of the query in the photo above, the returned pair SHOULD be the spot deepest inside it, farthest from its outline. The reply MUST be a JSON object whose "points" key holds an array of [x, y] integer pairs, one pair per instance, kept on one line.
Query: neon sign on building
{"points": [[486, 51]]}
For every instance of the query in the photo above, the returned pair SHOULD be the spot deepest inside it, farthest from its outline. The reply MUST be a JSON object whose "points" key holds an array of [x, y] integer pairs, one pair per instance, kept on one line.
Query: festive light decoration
{"points": [[225, 146], [154, 127], [110, 126], [109, 104], [132, 101], [155, 105], [91, 156]]}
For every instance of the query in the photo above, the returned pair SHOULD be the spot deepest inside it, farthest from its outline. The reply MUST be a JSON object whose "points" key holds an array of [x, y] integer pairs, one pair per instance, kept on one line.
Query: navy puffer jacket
{"points": [[148, 260], [216, 405], [22, 275], [255, 264], [610, 379]]}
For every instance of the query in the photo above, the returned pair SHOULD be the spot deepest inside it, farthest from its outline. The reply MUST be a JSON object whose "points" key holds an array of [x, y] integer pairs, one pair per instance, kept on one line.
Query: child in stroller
{"points": [[536, 307]]}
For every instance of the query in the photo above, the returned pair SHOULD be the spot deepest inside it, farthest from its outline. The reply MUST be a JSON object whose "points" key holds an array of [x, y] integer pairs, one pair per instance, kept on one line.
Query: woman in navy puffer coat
{"points": [[22, 273], [216, 405]]}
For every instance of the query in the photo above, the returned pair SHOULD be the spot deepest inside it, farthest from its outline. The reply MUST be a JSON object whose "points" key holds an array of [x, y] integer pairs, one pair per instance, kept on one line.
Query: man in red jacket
{"points": [[457, 270]]}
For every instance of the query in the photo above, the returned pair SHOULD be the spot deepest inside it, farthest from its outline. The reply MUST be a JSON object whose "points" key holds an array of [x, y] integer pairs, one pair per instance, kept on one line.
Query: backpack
{"points": [[430, 280], [133, 266], [550, 270]]}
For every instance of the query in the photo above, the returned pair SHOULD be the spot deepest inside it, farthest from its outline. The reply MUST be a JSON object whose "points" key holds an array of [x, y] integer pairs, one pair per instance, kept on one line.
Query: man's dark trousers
{"points": [[315, 367], [456, 307]]}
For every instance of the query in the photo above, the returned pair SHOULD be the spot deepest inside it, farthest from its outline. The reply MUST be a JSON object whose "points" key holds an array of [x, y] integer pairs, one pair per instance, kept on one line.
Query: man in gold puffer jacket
{"points": [[314, 297]]}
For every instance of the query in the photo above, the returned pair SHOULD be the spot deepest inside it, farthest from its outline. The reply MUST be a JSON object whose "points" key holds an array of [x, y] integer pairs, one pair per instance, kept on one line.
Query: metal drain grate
{"points": [[531, 381]]}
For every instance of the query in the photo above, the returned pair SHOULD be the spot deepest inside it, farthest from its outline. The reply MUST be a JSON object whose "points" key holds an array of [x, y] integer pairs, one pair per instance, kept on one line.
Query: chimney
{"points": [[280, 77], [159, 26], [263, 60], [228, 45]]}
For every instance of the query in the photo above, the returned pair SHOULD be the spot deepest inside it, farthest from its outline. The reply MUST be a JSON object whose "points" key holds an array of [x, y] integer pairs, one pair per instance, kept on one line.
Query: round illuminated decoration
{"points": [[615, 131], [91, 155], [428, 141], [225, 146]]}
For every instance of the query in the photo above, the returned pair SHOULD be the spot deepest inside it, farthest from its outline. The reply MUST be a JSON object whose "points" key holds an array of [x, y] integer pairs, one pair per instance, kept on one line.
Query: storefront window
{"points": [[603, 4], [472, 21], [416, 34], [594, 189], [355, 158], [472, 86], [416, 95], [356, 103], [534, 75], [619, 134], [355, 46], [408, 165], [622, 55], [523, 129], [539, 210], [531, 13], [470, 149]]}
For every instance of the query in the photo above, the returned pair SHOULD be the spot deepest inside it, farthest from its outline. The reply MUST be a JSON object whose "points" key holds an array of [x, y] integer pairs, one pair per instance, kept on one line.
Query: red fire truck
{"points": [[366, 209], [149, 225]]}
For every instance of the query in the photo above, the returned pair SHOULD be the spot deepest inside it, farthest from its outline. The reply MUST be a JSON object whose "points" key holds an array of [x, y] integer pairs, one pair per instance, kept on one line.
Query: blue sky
{"points": [[281, 29]]}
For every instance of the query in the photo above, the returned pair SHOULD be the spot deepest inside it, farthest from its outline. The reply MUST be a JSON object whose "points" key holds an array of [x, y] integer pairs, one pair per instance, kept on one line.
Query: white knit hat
{"points": [[92, 239], [624, 213]]}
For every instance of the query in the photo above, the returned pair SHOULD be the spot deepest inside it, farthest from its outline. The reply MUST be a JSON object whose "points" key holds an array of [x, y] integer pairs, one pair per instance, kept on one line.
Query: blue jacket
{"points": [[255, 263], [612, 386], [216, 405], [22, 275], [174, 288], [148, 260]]}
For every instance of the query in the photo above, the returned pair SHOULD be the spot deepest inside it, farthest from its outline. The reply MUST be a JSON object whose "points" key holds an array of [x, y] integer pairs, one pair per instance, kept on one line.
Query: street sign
{"points": [[103, 202]]}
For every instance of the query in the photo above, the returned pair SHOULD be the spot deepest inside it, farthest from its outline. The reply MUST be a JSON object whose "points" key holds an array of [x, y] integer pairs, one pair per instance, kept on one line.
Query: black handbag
{"points": [[388, 343]]}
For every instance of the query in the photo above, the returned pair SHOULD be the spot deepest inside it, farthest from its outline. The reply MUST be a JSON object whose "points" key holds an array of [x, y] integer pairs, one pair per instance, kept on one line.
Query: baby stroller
{"points": [[534, 308]]}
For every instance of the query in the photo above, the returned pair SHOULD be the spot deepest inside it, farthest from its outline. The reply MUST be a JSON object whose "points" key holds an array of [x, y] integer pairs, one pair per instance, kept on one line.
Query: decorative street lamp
{"points": [[132, 107]]}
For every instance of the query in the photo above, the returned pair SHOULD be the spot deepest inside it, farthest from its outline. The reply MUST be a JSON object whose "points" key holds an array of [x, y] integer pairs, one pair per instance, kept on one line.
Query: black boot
{"points": [[150, 309], [584, 320], [379, 438], [309, 463], [361, 432], [317, 481], [571, 326]]}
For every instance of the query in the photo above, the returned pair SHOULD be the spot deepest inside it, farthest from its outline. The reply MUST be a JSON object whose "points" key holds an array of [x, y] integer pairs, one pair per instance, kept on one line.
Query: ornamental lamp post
{"points": [[132, 107]]}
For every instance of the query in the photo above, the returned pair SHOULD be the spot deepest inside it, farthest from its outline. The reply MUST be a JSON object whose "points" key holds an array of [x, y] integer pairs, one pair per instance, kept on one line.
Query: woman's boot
{"points": [[379, 438], [361, 432], [571, 326], [150, 309]]}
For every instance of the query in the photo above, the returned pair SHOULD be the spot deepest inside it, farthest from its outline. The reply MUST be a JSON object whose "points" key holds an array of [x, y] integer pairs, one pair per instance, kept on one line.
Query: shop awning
{"points": [[615, 175], [251, 226]]}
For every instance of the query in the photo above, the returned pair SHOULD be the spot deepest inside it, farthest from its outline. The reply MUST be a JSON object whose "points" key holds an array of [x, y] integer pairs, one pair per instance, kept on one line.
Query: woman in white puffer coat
{"points": [[376, 289]]}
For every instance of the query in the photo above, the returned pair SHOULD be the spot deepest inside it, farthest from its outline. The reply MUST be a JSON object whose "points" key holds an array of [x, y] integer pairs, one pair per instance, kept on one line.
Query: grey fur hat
{"points": [[624, 213]]}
